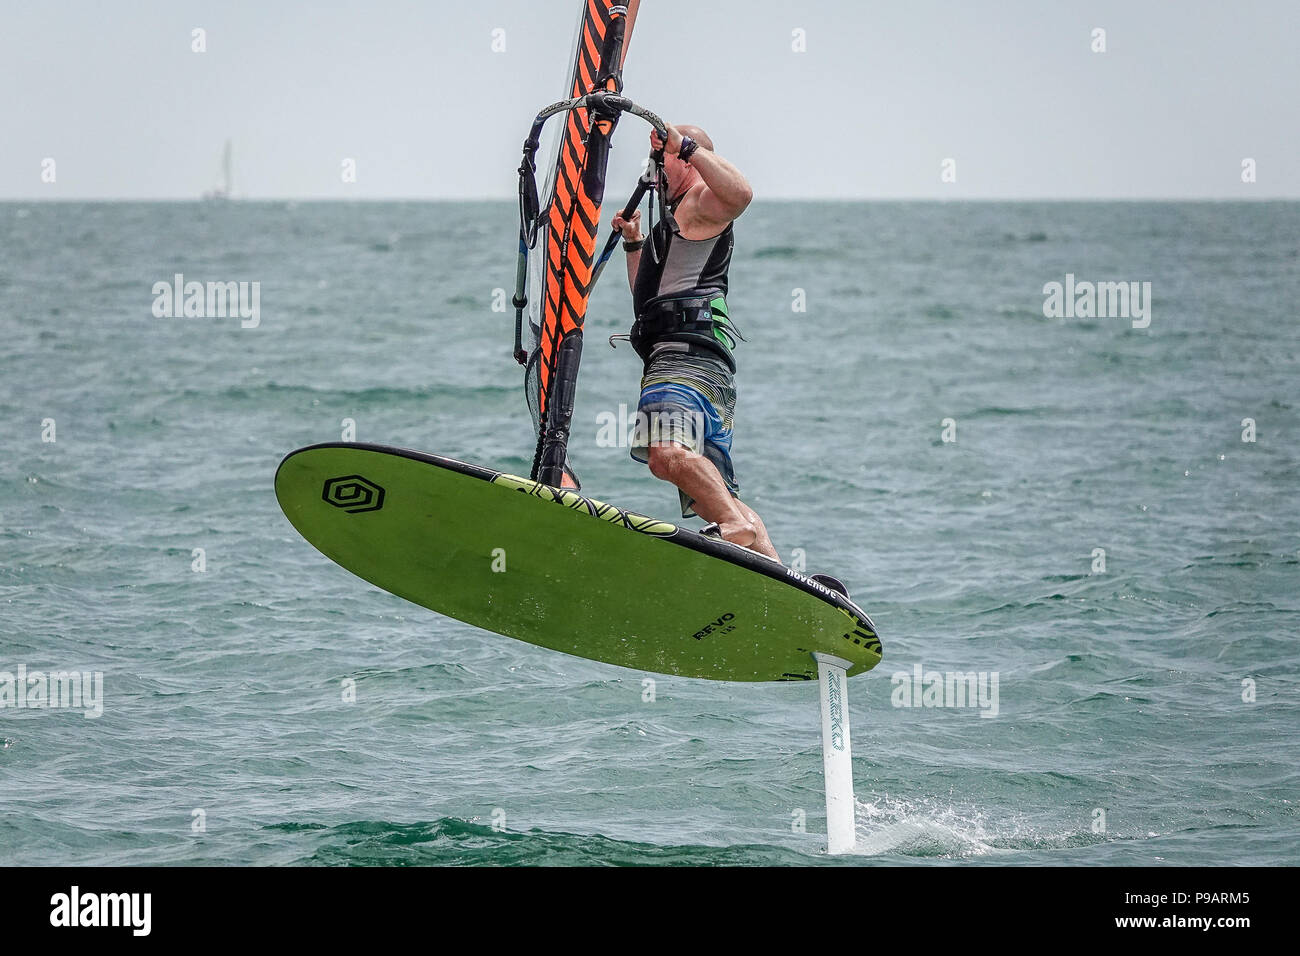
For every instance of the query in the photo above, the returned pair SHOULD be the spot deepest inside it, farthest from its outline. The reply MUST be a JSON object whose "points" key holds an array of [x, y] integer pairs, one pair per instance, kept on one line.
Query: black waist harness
{"points": [[701, 321]]}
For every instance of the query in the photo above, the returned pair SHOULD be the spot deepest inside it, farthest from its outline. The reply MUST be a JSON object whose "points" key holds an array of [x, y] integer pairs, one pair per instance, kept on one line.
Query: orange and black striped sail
{"points": [[560, 242]]}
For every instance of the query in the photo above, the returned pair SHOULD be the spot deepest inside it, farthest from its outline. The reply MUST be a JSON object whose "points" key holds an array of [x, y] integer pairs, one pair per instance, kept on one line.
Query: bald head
{"points": [[697, 134]]}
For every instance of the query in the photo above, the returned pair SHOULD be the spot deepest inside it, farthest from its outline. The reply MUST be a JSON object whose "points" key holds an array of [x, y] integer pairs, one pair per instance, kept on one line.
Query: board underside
{"points": [[563, 571]]}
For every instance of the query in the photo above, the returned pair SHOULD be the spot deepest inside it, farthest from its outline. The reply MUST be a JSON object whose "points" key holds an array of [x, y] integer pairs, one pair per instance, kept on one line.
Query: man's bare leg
{"points": [[698, 477], [762, 543]]}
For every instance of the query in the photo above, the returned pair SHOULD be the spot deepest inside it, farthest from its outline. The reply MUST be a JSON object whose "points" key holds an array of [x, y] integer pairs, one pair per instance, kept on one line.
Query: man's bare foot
{"points": [[757, 546], [742, 533]]}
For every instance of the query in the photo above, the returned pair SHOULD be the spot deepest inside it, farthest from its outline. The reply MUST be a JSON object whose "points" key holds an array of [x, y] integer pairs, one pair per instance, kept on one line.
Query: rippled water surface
{"points": [[1146, 713]]}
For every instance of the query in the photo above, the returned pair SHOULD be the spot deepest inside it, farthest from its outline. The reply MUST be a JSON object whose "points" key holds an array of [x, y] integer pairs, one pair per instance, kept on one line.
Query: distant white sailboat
{"points": [[223, 188]]}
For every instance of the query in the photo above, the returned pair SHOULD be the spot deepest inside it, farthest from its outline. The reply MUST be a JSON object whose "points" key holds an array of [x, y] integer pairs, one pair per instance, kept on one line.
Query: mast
{"points": [[558, 230], [227, 187]]}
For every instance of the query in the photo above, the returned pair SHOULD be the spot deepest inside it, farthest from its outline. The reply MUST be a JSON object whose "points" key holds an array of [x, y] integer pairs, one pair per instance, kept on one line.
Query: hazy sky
{"points": [[885, 92]]}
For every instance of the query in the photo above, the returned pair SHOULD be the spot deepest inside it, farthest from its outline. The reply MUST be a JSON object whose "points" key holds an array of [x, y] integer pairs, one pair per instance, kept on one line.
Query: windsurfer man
{"points": [[685, 336]]}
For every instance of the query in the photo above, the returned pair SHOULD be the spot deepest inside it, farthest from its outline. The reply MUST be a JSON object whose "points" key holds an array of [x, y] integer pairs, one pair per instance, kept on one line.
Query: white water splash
{"points": [[920, 828]]}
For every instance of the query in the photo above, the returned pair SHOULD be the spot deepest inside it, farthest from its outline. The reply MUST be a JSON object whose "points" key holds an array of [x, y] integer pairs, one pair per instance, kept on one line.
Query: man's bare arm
{"points": [[633, 263], [727, 193], [631, 229]]}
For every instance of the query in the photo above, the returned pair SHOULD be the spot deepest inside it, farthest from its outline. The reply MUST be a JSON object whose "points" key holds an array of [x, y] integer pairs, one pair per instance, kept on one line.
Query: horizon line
{"points": [[514, 199]]}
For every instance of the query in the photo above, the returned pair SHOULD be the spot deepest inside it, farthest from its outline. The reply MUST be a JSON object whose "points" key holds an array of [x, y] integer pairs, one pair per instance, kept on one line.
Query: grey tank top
{"points": [[686, 266]]}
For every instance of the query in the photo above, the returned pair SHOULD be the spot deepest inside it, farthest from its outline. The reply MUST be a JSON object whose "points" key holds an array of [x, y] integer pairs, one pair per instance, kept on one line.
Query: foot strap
{"points": [[833, 583]]}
